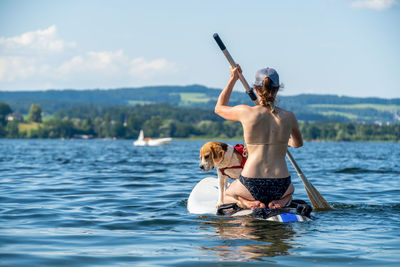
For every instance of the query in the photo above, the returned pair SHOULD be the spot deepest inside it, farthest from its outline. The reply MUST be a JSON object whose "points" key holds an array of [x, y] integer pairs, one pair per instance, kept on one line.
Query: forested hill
{"points": [[306, 106]]}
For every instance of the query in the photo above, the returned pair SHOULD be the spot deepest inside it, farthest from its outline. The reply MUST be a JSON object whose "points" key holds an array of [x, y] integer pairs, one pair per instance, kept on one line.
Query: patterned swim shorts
{"points": [[266, 189]]}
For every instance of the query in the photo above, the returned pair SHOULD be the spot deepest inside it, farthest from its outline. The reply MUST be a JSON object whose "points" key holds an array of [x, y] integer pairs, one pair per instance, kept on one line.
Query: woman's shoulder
{"points": [[284, 112], [241, 108], [286, 115]]}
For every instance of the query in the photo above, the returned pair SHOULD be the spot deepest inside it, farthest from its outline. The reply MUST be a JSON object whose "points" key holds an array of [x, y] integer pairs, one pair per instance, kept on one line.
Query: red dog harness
{"points": [[239, 148]]}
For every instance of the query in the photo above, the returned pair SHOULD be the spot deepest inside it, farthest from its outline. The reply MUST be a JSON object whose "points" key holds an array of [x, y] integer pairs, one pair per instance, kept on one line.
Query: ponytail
{"points": [[267, 94]]}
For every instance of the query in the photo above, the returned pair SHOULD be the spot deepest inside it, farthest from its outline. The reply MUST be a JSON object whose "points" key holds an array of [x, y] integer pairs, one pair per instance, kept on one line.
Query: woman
{"points": [[268, 131]]}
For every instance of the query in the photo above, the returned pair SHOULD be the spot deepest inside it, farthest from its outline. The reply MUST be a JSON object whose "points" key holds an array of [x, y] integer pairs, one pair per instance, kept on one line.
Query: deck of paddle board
{"points": [[204, 197]]}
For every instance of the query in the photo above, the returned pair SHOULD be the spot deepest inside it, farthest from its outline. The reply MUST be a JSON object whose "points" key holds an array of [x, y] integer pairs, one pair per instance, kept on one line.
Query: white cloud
{"points": [[26, 58], [41, 40], [146, 69], [374, 4], [91, 65], [15, 67], [104, 62], [115, 63]]}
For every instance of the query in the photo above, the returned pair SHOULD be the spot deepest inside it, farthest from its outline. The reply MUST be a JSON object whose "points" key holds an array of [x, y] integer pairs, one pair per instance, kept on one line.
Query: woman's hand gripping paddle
{"points": [[228, 56], [318, 202]]}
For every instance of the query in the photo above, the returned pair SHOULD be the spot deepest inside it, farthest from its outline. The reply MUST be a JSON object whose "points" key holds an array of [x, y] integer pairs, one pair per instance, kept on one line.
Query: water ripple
{"points": [[104, 202]]}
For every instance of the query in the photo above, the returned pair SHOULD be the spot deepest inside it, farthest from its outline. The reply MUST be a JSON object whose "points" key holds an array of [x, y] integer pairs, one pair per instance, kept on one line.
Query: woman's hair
{"points": [[267, 94]]}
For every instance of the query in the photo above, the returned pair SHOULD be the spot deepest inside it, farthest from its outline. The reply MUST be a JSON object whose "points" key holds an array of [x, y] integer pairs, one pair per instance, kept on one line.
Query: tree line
{"points": [[161, 120]]}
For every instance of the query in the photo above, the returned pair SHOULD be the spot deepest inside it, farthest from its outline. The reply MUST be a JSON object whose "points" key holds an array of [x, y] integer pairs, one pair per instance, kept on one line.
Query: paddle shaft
{"points": [[297, 168], [228, 56]]}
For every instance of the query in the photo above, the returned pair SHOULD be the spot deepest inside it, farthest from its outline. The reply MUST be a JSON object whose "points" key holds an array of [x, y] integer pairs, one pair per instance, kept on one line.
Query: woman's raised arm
{"points": [[296, 140], [221, 108]]}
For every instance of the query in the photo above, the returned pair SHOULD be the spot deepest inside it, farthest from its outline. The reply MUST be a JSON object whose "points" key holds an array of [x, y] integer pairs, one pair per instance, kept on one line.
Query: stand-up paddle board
{"points": [[204, 197]]}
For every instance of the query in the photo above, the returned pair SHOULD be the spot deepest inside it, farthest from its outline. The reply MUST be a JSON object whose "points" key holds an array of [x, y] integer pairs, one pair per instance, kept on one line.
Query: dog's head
{"points": [[211, 154]]}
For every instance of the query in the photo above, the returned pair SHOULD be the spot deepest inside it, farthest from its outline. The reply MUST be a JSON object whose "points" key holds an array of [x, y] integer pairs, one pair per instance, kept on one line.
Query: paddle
{"points": [[318, 202], [315, 197]]}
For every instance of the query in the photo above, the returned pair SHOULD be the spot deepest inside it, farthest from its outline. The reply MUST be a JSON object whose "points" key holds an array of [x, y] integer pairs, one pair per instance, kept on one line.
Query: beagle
{"points": [[227, 159]]}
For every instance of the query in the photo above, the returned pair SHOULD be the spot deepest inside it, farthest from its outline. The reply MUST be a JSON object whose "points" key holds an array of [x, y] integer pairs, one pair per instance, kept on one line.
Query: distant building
{"points": [[15, 117]]}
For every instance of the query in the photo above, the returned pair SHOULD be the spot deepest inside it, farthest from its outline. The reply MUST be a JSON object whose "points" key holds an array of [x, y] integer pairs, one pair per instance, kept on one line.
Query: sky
{"points": [[343, 47]]}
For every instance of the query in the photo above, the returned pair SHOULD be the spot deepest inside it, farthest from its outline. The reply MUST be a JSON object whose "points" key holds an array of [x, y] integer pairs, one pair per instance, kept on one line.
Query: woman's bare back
{"points": [[266, 136]]}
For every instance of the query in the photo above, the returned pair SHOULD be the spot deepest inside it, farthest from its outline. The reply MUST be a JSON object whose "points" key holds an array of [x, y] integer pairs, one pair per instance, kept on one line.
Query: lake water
{"points": [[108, 203]]}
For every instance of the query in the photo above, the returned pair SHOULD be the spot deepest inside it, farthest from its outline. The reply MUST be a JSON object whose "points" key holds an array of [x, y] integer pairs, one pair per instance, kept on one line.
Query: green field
{"points": [[27, 127], [358, 106], [338, 113], [187, 98]]}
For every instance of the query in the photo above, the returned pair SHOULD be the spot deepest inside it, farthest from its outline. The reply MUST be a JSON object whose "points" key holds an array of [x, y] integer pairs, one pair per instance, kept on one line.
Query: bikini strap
{"points": [[260, 144]]}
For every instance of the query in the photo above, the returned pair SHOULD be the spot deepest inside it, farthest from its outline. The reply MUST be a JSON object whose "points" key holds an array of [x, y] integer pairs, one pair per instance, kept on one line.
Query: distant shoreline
{"points": [[87, 122], [193, 139]]}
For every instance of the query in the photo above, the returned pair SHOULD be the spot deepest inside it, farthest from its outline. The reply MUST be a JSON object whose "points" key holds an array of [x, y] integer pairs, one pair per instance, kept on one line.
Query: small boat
{"points": [[142, 141]]}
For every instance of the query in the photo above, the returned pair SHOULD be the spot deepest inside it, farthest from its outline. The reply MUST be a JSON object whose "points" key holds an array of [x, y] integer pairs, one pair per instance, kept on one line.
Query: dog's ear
{"points": [[213, 152], [224, 146], [221, 152], [218, 152]]}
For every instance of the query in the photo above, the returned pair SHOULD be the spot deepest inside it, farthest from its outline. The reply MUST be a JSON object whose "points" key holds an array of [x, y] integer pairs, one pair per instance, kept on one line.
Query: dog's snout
{"points": [[201, 166]]}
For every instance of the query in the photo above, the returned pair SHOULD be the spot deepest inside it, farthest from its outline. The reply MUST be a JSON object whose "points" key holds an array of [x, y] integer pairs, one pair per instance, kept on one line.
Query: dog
{"points": [[227, 159], [230, 160]]}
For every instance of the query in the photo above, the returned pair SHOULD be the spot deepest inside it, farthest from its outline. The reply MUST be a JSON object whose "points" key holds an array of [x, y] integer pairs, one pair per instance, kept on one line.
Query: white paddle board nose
{"points": [[204, 197]]}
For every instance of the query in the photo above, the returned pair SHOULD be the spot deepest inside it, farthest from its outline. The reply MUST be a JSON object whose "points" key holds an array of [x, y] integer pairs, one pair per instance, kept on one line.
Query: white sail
{"points": [[141, 135], [151, 142]]}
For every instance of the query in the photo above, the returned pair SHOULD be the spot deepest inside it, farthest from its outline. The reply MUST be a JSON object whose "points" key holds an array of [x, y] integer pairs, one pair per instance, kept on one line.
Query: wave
{"points": [[392, 207], [362, 170]]}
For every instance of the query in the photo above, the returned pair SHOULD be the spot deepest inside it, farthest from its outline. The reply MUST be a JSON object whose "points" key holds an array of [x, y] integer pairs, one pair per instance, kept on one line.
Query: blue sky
{"points": [[344, 47]]}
